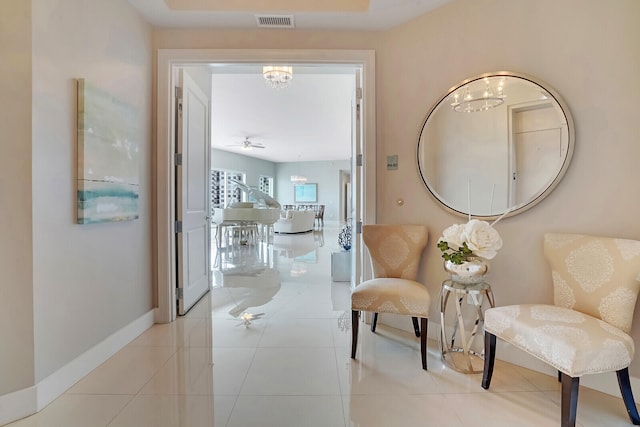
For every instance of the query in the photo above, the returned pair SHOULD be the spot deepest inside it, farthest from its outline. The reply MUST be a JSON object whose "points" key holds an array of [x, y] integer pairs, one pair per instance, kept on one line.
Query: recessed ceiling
{"points": [[310, 119], [352, 15], [271, 5]]}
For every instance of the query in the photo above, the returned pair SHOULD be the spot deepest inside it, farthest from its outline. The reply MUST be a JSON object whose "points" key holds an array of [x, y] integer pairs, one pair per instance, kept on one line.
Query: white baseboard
{"points": [[22, 403], [16, 405], [605, 383]]}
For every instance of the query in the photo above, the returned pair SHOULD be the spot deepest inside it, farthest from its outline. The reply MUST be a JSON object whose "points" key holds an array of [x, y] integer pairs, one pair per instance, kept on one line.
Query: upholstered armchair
{"points": [[596, 282], [395, 252], [291, 222]]}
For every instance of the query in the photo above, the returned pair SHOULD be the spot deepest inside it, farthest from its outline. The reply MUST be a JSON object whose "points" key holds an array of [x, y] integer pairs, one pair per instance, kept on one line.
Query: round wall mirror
{"points": [[495, 144]]}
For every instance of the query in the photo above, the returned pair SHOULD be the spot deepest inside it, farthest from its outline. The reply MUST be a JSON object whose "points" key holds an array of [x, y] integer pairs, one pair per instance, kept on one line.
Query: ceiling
{"points": [[311, 118], [354, 15]]}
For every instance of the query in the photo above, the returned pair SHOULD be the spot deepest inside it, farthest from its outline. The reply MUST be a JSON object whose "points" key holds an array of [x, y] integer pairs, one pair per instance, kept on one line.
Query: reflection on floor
{"points": [[269, 346]]}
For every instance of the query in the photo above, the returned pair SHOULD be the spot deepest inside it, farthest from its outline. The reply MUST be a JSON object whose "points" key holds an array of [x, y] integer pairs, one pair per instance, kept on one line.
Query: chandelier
{"points": [[298, 179], [476, 96], [277, 76]]}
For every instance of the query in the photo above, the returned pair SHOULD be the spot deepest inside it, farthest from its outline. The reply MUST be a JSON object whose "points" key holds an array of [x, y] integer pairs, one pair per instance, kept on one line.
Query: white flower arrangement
{"points": [[461, 242]]}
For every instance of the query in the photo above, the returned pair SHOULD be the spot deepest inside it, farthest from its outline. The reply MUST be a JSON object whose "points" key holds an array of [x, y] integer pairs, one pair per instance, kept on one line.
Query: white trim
{"points": [[18, 404], [605, 383], [170, 58], [22, 403]]}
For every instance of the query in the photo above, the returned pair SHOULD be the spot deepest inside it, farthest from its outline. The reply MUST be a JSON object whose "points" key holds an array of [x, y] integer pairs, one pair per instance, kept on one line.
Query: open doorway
{"points": [[169, 61], [276, 138]]}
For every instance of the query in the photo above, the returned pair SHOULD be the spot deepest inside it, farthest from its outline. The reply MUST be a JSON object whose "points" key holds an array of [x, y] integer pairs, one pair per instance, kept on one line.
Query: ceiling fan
{"points": [[246, 144]]}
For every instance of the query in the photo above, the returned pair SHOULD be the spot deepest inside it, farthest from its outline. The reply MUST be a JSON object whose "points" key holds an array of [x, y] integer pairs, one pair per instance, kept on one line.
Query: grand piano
{"points": [[247, 218]]}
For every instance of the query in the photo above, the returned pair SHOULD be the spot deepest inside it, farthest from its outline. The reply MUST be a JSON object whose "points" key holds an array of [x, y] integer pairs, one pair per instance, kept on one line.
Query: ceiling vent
{"points": [[275, 21]]}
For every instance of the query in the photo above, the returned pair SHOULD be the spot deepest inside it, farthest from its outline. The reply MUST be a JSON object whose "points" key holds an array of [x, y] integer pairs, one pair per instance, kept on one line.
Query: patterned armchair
{"points": [[596, 283], [395, 252]]}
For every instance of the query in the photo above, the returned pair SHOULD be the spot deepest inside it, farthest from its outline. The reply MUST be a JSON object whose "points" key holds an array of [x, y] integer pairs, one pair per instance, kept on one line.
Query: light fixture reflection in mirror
{"points": [[506, 155], [479, 95]]}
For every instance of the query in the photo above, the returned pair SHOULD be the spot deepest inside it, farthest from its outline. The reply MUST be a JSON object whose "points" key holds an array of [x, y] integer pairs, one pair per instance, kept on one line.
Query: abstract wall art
{"points": [[305, 193], [108, 145]]}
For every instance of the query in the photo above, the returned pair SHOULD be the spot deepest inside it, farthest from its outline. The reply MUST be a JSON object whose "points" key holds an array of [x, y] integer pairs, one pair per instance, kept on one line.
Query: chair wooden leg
{"points": [[416, 327], [627, 395], [355, 315], [569, 400], [423, 340], [374, 322], [489, 359]]}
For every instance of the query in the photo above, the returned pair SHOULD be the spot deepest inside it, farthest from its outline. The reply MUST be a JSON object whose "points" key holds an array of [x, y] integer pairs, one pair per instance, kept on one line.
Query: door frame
{"points": [[168, 60], [512, 172]]}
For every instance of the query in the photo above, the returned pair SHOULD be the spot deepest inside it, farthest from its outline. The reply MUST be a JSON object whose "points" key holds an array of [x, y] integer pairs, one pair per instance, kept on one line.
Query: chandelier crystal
{"points": [[277, 76], [476, 96]]}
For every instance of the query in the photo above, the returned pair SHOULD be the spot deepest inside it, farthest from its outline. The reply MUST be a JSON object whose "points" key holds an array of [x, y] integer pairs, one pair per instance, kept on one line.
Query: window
{"points": [[265, 184], [223, 191]]}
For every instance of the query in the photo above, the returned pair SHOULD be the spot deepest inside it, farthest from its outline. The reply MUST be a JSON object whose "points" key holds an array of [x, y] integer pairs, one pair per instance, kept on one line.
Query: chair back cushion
{"points": [[599, 276], [395, 249]]}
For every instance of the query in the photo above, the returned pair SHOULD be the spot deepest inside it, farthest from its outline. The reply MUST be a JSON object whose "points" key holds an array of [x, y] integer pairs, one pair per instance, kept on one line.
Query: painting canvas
{"points": [[108, 146], [305, 193]]}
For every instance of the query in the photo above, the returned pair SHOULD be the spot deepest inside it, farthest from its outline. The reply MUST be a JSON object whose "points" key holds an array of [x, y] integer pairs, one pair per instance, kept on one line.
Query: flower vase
{"points": [[344, 238], [469, 272]]}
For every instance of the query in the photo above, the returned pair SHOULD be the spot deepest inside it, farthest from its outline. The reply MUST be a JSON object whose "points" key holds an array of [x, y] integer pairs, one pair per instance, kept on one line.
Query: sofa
{"points": [[291, 221]]}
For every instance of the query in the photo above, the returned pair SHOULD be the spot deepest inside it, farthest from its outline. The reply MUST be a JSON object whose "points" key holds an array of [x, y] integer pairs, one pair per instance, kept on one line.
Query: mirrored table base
{"points": [[457, 349]]}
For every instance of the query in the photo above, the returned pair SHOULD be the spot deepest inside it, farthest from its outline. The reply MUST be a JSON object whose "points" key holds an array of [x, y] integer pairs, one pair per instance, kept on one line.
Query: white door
{"points": [[193, 231], [537, 138], [357, 194], [534, 168]]}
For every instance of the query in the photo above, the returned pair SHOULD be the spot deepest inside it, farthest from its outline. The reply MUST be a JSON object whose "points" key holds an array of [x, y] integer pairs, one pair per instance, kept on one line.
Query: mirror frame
{"points": [[538, 197]]}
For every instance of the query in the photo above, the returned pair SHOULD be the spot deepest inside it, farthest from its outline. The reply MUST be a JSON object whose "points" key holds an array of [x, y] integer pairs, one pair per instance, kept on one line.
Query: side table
{"points": [[341, 266], [459, 355]]}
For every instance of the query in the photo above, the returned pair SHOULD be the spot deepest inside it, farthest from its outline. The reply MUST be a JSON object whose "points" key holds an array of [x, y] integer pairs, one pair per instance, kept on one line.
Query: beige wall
{"points": [[261, 39], [585, 49], [589, 52], [89, 280], [16, 249], [65, 287], [68, 287]]}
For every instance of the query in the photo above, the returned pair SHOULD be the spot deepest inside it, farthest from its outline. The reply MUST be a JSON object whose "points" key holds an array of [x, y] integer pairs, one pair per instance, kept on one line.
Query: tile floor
{"points": [[290, 365]]}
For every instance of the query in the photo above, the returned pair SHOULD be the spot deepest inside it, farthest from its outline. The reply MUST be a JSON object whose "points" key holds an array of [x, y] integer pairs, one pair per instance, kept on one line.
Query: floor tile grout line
{"points": [[340, 386], [175, 352], [115, 417]]}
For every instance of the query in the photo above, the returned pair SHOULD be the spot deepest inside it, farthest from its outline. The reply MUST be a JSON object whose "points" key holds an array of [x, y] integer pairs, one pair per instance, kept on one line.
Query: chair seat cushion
{"points": [[392, 295], [570, 341]]}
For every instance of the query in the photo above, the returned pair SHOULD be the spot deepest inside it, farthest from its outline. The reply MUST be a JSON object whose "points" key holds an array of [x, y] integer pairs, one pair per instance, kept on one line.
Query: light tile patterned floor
{"points": [[291, 367]]}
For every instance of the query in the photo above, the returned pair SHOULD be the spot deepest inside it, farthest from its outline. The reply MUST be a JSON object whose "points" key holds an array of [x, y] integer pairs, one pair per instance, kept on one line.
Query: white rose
{"points": [[483, 240], [454, 236]]}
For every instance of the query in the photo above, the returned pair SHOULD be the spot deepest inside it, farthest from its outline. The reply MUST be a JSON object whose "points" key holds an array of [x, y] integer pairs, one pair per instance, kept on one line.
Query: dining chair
{"points": [[395, 252], [320, 216], [586, 330]]}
